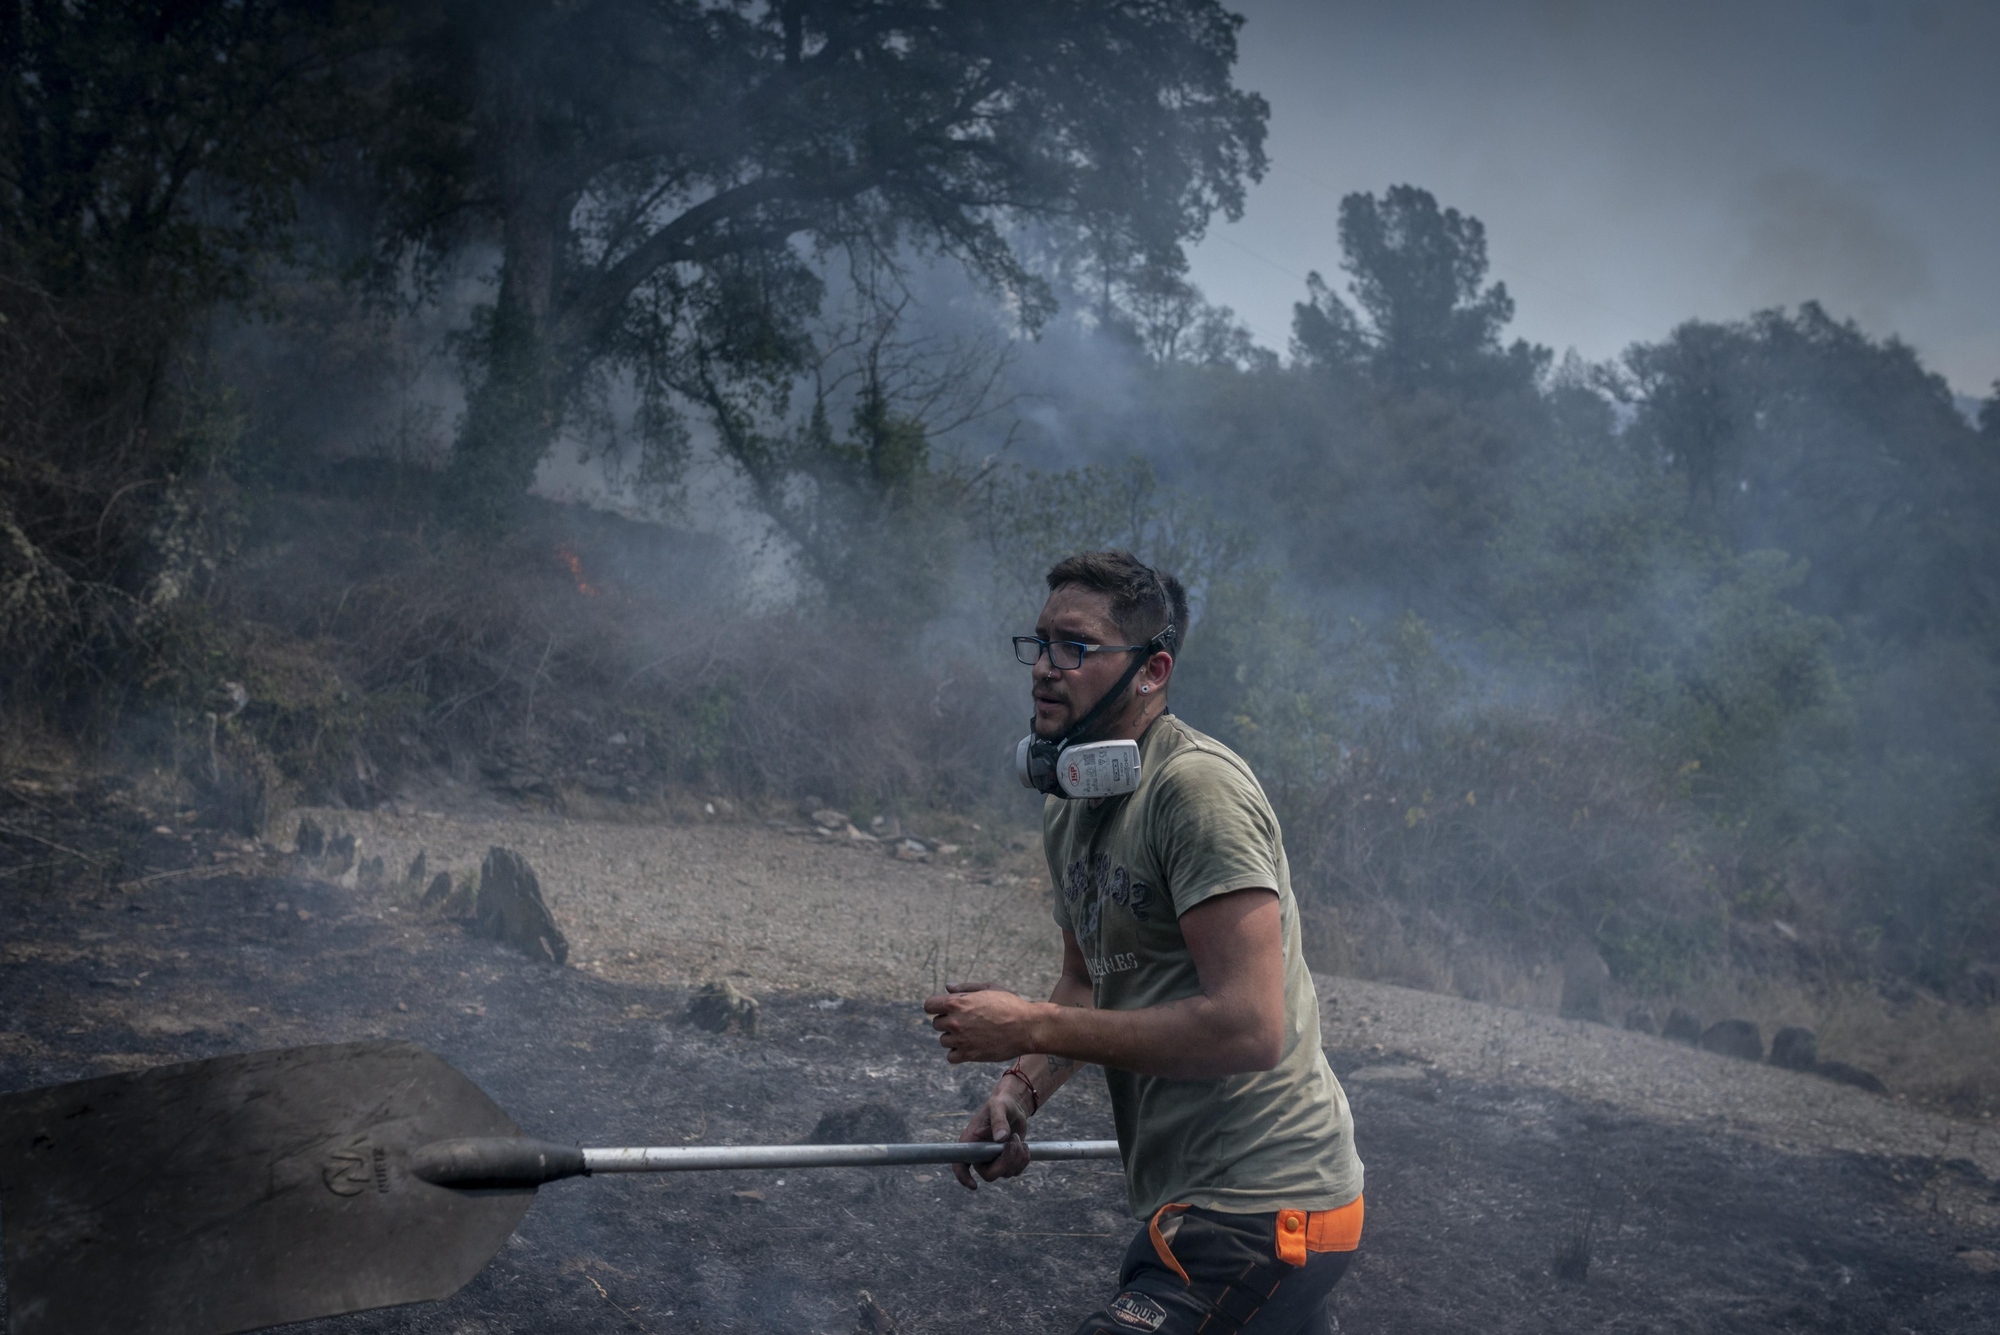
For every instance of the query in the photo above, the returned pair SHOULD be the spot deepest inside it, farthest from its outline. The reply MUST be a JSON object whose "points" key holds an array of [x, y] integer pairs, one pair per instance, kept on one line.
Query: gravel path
{"points": [[1403, 1035], [784, 913], [773, 912]]}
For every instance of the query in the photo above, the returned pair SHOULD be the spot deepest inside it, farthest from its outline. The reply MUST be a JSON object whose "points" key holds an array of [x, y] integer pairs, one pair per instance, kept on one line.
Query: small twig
{"points": [[169, 875], [628, 1311], [50, 843]]}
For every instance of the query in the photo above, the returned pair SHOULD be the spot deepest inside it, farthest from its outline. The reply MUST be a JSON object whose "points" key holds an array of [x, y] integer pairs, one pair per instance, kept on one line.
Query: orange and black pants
{"points": [[1192, 1271]]}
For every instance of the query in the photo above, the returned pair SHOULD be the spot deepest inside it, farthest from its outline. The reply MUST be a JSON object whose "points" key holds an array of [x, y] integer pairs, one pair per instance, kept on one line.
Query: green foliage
{"points": [[1799, 433], [1260, 675], [158, 152], [1030, 520], [662, 175], [1417, 272], [1448, 812]]}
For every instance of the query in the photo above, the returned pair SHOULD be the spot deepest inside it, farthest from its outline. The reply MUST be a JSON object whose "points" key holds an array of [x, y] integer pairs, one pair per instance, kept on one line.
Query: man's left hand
{"points": [[978, 1022]]}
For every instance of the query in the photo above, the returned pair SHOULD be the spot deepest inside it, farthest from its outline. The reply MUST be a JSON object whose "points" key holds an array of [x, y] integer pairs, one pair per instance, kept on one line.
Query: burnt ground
{"points": [[1478, 1191]]}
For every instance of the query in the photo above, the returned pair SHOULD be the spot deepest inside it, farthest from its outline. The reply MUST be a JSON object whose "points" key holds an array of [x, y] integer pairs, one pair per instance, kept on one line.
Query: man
{"points": [[1182, 978]]}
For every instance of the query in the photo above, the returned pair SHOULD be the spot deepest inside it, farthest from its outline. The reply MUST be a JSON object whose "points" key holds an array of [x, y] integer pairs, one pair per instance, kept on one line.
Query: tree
{"points": [[148, 148], [1417, 273], [151, 161], [872, 517], [660, 176], [1798, 432]]}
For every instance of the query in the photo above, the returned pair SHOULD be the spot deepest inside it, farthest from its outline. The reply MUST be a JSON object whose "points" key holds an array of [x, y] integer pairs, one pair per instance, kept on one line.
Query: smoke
{"points": [[1615, 153], [1809, 238]]}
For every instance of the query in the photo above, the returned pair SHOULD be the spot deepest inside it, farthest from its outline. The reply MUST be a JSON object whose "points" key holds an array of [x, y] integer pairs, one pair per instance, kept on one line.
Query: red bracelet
{"points": [[1034, 1099]]}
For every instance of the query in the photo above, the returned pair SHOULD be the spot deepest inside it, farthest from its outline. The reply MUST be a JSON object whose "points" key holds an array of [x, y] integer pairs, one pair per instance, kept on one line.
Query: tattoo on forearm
{"points": [[1057, 1063]]}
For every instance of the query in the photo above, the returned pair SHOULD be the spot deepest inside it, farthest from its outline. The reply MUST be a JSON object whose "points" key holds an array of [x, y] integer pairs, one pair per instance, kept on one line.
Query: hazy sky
{"points": [[1639, 164]]}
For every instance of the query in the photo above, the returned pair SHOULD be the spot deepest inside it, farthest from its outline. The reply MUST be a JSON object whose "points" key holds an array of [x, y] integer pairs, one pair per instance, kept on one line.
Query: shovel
{"points": [[249, 1191]]}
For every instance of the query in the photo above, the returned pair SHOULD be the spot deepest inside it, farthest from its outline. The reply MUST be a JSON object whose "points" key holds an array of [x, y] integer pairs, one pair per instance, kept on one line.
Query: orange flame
{"points": [[571, 563]]}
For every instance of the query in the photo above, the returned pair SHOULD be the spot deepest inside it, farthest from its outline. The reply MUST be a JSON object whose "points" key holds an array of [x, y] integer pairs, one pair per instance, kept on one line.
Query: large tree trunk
{"points": [[515, 410]]}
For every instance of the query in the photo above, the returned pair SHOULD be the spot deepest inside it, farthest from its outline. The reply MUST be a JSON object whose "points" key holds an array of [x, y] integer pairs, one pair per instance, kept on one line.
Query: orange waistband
{"points": [[1300, 1231]]}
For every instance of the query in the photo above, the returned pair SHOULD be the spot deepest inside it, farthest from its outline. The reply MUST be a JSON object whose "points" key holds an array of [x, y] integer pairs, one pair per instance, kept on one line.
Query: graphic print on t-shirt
{"points": [[1096, 886]]}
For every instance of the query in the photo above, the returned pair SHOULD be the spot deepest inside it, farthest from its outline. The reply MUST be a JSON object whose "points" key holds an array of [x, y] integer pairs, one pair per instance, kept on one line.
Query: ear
{"points": [[1159, 668]]}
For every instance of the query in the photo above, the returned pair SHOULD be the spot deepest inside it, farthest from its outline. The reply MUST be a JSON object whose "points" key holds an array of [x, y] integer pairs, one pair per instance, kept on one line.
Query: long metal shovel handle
{"points": [[506, 1161], [829, 1156]]}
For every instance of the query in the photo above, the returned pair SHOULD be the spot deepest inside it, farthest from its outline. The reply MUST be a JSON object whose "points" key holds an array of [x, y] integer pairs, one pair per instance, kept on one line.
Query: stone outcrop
{"points": [[862, 1124], [1735, 1038], [1795, 1048], [510, 908], [1850, 1075], [1585, 977], [721, 1009], [1681, 1026]]}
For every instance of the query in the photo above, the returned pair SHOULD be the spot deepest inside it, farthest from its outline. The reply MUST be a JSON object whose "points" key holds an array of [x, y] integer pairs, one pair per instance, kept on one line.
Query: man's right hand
{"points": [[1000, 1118]]}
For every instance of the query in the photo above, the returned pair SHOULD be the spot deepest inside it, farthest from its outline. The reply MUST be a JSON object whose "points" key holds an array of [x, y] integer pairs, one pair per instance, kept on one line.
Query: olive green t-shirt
{"points": [[1124, 871]]}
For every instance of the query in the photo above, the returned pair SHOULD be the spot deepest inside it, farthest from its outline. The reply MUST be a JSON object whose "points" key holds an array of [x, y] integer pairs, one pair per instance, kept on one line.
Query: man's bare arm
{"points": [[1235, 1024], [1004, 1115]]}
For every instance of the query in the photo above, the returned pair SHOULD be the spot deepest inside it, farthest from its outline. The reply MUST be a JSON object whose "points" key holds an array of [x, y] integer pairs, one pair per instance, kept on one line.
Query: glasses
{"points": [[1064, 655]]}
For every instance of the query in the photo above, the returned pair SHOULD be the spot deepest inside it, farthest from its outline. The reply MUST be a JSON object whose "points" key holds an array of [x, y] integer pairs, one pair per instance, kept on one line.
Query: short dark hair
{"points": [[1144, 601]]}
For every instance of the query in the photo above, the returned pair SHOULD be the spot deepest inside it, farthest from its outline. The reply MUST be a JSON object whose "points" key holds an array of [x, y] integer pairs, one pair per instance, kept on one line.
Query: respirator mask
{"points": [[1066, 767]]}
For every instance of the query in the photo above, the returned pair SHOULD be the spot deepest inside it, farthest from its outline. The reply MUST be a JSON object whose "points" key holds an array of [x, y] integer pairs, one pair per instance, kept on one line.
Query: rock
{"points": [[1842, 1073], [872, 1319], [510, 908], [1682, 1025], [341, 851], [807, 805], [413, 879], [721, 1009], [859, 836], [371, 873], [1585, 975], [862, 1124], [1639, 1020], [909, 850], [438, 893], [461, 900], [311, 841], [1795, 1048], [829, 819], [1980, 1260], [1735, 1038]]}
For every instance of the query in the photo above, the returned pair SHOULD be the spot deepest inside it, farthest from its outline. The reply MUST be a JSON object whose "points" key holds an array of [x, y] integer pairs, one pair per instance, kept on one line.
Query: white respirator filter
{"points": [[1093, 769]]}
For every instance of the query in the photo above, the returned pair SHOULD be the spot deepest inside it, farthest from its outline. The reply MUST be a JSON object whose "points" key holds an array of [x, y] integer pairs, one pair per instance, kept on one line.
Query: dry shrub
{"points": [[523, 657], [1469, 852], [111, 513], [1936, 1053]]}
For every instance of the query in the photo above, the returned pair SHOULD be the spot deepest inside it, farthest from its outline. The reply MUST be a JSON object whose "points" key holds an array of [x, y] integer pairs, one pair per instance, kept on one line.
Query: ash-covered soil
{"points": [[1502, 1197]]}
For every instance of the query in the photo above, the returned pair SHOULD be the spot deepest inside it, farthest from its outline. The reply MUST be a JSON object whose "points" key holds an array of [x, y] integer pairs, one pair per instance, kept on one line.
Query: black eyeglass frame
{"points": [[1082, 651]]}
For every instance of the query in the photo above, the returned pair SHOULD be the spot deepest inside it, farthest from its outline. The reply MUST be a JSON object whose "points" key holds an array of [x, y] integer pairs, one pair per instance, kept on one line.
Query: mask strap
{"points": [[1110, 697]]}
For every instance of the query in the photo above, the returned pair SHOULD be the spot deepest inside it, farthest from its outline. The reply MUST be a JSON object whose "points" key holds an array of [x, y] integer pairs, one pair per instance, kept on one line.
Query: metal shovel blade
{"points": [[241, 1192]]}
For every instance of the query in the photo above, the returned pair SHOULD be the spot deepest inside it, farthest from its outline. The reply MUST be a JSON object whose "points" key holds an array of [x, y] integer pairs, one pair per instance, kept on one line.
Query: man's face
{"points": [[1062, 697]]}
